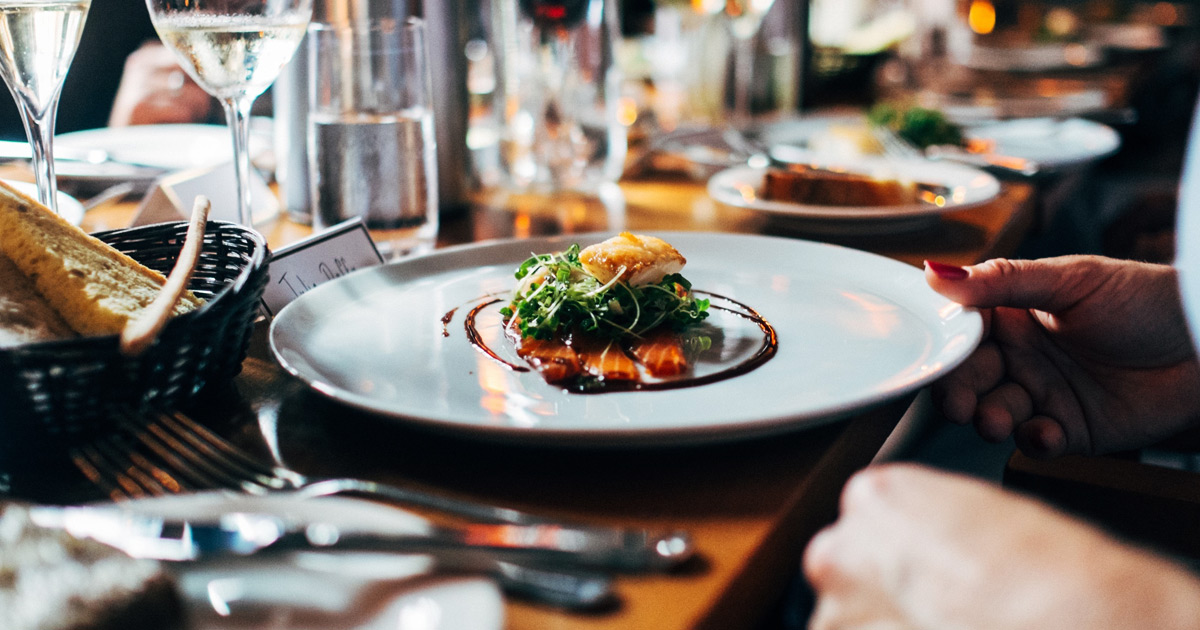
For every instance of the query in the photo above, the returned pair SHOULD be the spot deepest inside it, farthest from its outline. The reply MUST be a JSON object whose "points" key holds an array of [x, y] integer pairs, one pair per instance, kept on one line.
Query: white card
{"points": [[328, 254], [173, 195]]}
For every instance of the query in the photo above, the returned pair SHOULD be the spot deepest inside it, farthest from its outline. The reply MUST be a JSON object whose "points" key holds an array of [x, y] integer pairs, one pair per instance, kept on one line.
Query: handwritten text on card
{"points": [[330, 254]]}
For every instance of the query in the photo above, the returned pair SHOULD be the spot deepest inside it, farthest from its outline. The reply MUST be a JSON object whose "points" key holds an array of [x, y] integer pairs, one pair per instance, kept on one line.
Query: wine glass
{"points": [[234, 49], [745, 19], [38, 39]]}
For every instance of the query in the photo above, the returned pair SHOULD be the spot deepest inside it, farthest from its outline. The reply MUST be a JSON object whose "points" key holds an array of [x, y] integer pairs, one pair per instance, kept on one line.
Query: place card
{"points": [[173, 194], [328, 254]]}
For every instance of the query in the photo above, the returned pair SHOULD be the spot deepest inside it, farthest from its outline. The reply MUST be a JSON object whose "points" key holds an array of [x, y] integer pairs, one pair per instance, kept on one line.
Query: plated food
{"points": [[862, 195], [616, 315], [853, 329], [825, 187]]}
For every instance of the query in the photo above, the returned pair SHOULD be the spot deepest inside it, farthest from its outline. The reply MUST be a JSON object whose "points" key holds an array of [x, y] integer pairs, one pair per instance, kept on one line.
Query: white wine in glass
{"points": [[234, 50], [38, 39]]}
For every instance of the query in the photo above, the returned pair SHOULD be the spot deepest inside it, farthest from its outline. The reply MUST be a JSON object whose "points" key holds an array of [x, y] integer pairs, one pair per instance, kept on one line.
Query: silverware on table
{"points": [[174, 454], [896, 147], [142, 533], [19, 150]]}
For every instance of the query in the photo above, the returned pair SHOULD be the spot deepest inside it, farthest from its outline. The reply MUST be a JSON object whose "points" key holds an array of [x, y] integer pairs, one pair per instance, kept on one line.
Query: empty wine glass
{"points": [[234, 49], [38, 39], [745, 19]]}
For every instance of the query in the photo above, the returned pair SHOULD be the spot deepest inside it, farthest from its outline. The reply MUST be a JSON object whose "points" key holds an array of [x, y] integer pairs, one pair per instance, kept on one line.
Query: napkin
{"points": [[172, 196], [316, 590]]}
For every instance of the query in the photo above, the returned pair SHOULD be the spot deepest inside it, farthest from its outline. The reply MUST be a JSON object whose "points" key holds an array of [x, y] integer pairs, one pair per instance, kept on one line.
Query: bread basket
{"points": [[66, 391]]}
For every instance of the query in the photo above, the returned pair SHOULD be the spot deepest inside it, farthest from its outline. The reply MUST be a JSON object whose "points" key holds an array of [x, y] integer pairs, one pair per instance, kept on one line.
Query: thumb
{"points": [[1048, 284]]}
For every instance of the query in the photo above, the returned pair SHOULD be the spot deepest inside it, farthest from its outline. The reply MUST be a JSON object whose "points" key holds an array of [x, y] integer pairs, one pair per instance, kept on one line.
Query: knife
{"points": [[18, 150], [245, 534]]}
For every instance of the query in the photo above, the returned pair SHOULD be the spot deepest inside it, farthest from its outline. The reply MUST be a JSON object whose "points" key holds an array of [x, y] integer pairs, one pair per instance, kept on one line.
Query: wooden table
{"points": [[751, 506]]}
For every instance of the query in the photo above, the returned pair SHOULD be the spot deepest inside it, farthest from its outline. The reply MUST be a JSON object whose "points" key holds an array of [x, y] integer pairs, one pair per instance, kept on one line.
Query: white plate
{"points": [[1034, 57], [1187, 245], [141, 151], [1052, 143], [69, 207], [967, 187], [854, 329]]}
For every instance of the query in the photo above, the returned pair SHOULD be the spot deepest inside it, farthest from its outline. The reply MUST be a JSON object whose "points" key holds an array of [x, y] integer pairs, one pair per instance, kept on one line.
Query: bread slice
{"points": [[94, 287], [821, 187], [24, 316]]}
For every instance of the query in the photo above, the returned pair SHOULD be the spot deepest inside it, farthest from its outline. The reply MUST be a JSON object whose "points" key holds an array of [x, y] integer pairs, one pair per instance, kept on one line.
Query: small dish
{"points": [[1050, 142], [962, 187]]}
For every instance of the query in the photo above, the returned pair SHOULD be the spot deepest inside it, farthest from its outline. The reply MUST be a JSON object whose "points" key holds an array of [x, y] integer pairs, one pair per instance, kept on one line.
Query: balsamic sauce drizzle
{"points": [[446, 319], [768, 349]]}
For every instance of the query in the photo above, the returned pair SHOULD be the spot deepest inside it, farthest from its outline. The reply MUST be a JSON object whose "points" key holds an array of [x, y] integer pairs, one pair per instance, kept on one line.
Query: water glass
{"points": [[371, 147]]}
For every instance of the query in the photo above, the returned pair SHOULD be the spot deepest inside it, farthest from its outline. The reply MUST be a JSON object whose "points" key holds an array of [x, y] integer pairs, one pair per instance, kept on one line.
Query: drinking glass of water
{"points": [[234, 49], [37, 43], [371, 147]]}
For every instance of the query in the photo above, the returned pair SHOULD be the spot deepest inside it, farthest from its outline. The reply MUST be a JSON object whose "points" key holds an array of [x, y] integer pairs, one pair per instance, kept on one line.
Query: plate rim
{"points": [[1112, 139], [86, 138], [608, 437]]}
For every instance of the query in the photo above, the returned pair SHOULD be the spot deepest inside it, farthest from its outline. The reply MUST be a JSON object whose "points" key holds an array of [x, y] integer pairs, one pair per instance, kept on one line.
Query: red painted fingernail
{"points": [[944, 271]]}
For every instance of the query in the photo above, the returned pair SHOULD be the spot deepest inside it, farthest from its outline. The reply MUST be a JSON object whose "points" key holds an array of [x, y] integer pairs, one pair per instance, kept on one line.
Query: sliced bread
{"points": [[24, 316], [94, 287]]}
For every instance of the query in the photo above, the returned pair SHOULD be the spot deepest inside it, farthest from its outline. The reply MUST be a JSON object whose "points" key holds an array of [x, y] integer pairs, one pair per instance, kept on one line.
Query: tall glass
{"points": [[234, 49], [562, 120], [745, 20], [371, 146], [37, 43]]}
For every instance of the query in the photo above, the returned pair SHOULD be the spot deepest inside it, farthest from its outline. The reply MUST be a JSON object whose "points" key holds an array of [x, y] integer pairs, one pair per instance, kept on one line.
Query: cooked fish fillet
{"points": [[637, 260]]}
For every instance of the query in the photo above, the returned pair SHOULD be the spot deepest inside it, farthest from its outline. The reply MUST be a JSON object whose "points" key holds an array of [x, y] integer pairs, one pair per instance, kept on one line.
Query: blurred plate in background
{"points": [[965, 186], [142, 152], [1050, 142], [68, 207]]}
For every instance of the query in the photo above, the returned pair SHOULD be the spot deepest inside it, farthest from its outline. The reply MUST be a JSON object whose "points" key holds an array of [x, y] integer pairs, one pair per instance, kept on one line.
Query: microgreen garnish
{"points": [[556, 294]]}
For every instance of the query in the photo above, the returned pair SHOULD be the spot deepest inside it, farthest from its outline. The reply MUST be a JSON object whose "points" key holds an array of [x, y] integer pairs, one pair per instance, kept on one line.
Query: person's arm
{"points": [[154, 89], [920, 549], [1082, 354]]}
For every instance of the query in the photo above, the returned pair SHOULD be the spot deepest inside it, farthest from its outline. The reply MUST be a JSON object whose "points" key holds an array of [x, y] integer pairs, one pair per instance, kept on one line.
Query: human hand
{"points": [[155, 89], [1081, 354], [920, 549]]}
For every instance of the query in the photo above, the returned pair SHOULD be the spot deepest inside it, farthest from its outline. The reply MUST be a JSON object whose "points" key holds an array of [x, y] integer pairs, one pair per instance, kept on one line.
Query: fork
{"points": [[896, 147], [116, 467], [202, 459]]}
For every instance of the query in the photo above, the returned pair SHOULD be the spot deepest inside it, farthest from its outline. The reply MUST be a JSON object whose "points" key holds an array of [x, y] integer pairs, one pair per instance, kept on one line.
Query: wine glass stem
{"points": [[40, 131], [743, 71], [237, 114]]}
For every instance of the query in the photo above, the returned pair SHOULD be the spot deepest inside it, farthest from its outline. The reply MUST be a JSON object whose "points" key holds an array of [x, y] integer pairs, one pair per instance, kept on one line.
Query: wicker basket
{"points": [[67, 391]]}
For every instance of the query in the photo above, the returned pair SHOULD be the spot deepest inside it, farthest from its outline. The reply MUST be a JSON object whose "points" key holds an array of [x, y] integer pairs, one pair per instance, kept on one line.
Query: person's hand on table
{"points": [[1081, 354], [920, 549], [154, 89]]}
